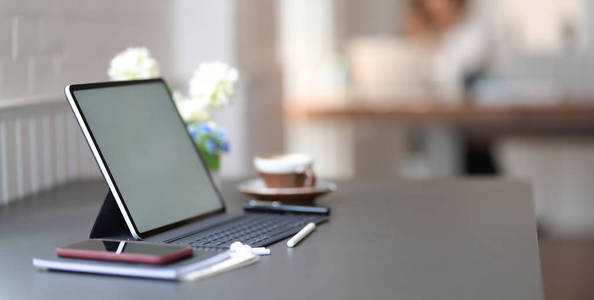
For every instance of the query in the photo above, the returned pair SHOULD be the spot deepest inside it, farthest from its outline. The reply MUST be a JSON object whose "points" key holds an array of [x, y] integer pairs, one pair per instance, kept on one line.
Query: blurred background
{"points": [[377, 89]]}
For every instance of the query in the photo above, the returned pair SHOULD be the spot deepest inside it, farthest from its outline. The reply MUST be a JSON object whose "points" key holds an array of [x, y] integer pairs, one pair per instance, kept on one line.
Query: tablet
{"points": [[145, 154]]}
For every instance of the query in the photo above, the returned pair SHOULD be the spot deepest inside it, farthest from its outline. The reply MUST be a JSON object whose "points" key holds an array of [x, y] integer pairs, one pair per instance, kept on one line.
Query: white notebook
{"points": [[200, 265]]}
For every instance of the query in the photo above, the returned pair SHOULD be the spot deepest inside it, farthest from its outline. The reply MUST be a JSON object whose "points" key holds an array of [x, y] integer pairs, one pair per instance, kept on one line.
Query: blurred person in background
{"points": [[458, 41]]}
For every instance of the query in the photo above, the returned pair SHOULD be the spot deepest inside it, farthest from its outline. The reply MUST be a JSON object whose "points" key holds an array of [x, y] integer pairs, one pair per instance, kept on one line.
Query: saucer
{"points": [[257, 189]]}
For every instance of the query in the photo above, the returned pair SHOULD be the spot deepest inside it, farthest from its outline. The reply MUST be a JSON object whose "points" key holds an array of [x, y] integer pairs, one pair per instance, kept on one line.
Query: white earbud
{"points": [[239, 247]]}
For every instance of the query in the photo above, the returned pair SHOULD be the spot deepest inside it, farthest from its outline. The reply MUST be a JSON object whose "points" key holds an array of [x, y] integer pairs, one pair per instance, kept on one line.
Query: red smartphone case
{"points": [[124, 257]]}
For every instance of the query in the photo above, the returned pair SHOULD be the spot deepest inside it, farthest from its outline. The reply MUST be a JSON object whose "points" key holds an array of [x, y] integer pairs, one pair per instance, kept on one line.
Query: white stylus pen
{"points": [[300, 235]]}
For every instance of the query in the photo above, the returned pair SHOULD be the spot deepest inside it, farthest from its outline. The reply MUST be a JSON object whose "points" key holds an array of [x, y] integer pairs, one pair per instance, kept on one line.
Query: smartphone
{"points": [[125, 251]]}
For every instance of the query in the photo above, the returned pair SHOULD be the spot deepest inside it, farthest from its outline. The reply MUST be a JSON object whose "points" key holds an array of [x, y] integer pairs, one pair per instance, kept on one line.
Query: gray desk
{"points": [[440, 239]]}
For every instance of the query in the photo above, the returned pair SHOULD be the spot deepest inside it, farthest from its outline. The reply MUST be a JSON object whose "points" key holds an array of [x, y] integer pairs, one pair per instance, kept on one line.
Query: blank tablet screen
{"points": [[148, 152]]}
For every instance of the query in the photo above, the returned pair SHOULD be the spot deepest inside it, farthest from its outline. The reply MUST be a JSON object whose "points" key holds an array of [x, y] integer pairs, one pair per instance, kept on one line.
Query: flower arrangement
{"points": [[210, 140], [213, 84], [133, 63], [212, 87]]}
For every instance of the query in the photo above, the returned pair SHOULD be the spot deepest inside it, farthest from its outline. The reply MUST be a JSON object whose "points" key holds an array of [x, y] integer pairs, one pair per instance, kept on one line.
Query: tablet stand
{"points": [[110, 222]]}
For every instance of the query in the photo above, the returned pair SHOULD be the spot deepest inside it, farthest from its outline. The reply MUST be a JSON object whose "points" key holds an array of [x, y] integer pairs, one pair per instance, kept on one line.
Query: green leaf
{"points": [[211, 160]]}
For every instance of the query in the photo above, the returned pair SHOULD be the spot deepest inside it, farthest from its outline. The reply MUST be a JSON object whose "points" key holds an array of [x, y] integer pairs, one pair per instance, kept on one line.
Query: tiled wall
{"points": [[45, 45]]}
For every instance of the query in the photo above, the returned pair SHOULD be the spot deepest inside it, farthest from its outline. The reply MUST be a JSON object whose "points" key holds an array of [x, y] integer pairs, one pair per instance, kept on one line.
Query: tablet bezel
{"points": [[103, 167]]}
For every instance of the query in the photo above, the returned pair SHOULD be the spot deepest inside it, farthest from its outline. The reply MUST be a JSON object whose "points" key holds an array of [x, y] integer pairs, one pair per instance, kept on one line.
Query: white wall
{"points": [[203, 30], [308, 43], [561, 171], [262, 79], [47, 44]]}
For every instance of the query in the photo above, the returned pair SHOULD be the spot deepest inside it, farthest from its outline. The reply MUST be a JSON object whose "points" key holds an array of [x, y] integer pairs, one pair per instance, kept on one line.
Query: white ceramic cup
{"points": [[286, 170]]}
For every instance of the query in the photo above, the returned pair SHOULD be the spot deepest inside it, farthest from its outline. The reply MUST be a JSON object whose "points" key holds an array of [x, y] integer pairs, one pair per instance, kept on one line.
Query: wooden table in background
{"points": [[561, 118]]}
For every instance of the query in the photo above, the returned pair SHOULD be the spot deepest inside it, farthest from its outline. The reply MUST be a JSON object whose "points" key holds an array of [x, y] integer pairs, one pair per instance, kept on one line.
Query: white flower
{"points": [[177, 96], [192, 111], [213, 84], [133, 63]]}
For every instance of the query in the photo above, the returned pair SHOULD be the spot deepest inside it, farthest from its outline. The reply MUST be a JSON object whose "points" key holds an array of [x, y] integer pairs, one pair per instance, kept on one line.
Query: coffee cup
{"points": [[286, 170]]}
